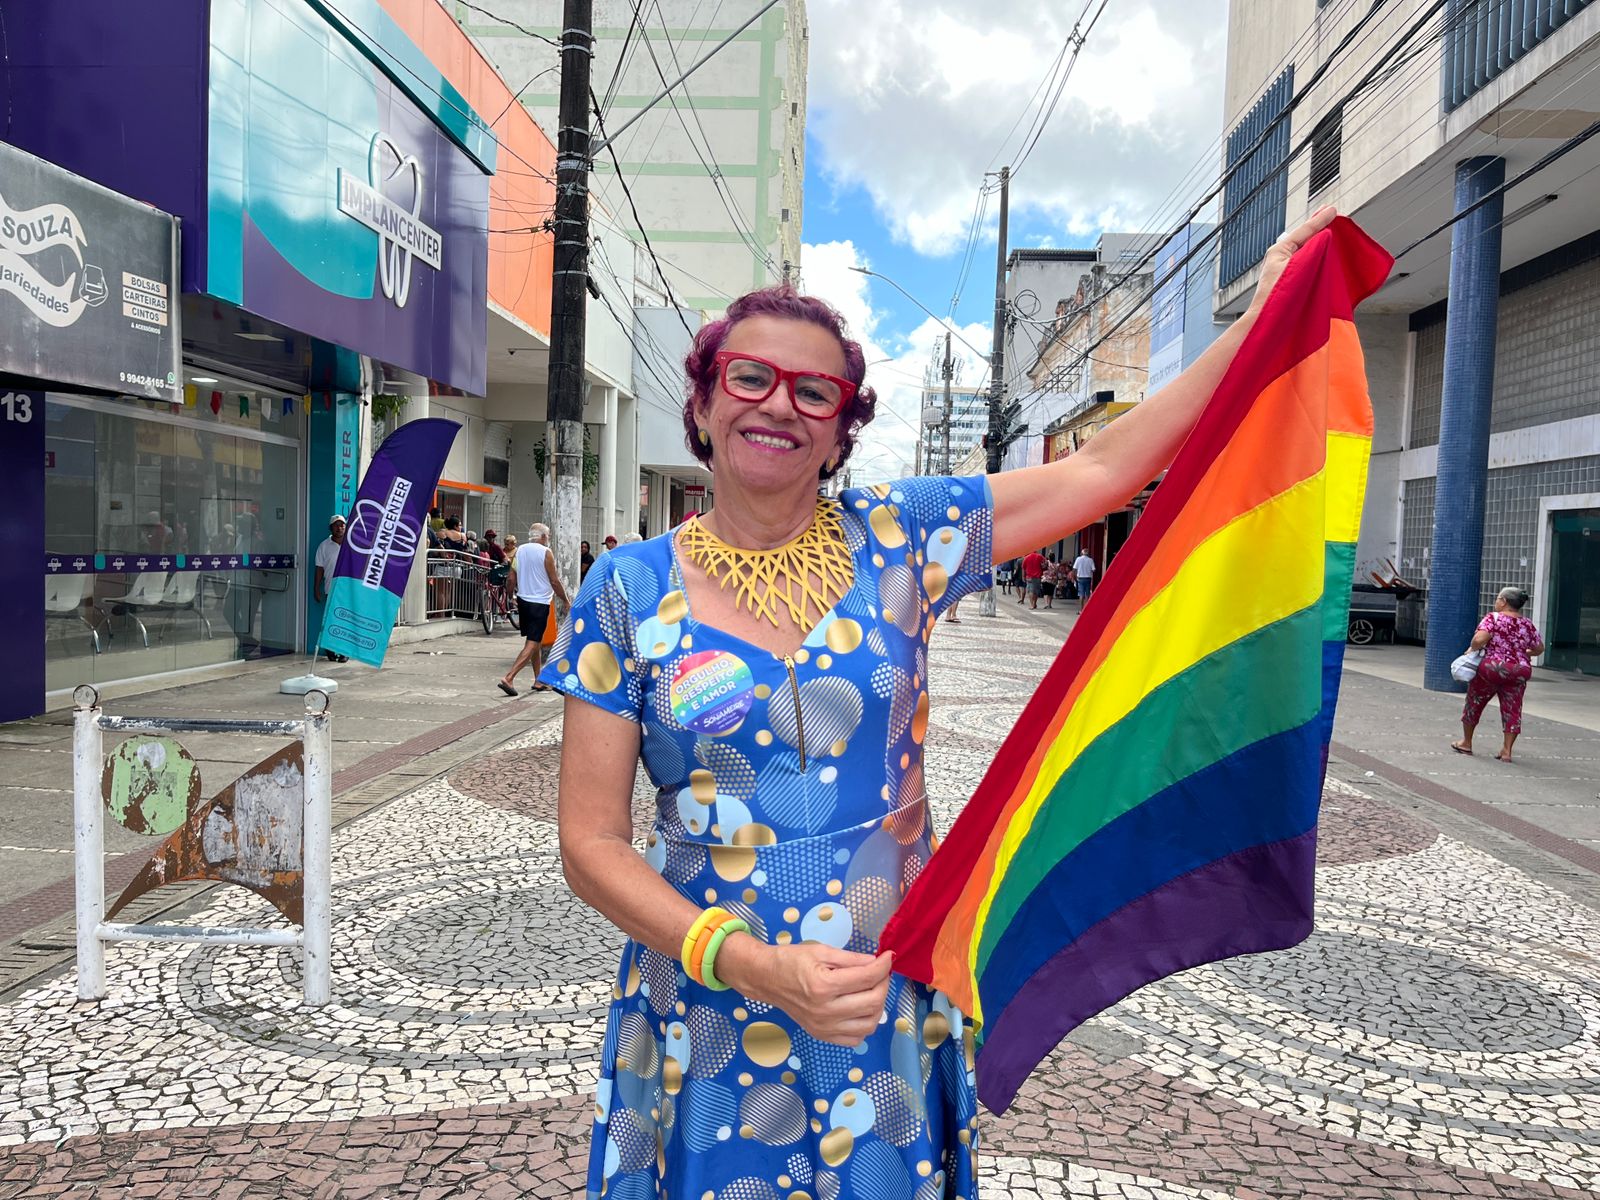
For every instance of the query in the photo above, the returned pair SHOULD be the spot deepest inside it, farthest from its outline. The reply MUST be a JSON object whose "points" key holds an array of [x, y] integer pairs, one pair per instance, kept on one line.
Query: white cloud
{"points": [[895, 363], [911, 99]]}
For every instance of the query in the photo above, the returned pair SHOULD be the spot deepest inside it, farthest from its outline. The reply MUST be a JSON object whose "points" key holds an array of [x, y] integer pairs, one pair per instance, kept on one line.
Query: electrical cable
{"points": [[1077, 39], [634, 208], [496, 17], [1243, 159], [622, 56], [713, 168]]}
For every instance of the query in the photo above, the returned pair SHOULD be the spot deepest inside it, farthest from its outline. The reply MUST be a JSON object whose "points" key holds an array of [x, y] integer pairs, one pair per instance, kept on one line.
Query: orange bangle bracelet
{"points": [[697, 956]]}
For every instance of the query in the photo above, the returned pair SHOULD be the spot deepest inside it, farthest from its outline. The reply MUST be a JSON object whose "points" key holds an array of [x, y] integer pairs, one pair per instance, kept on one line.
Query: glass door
{"points": [[1574, 633]]}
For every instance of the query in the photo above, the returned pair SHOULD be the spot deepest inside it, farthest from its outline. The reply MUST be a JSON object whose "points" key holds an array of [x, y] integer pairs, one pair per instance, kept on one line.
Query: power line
{"points": [[713, 169], [1076, 40], [622, 55], [1243, 159], [634, 208], [1561, 151], [507, 21]]}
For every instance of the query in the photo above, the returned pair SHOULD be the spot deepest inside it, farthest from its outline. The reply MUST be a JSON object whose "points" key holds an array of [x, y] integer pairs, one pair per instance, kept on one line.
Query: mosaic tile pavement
{"points": [[1439, 1035]]}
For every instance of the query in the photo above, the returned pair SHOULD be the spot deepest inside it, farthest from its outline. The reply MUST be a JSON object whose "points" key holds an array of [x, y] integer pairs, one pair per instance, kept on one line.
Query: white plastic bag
{"points": [[1465, 668]]}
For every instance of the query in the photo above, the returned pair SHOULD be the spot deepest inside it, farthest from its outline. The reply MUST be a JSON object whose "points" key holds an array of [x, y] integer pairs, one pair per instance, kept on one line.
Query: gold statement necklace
{"points": [[807, 575]]}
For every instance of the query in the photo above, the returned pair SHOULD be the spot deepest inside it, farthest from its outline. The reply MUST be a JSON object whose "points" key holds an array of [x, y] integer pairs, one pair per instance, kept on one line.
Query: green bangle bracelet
{"points": [[708, 959]]}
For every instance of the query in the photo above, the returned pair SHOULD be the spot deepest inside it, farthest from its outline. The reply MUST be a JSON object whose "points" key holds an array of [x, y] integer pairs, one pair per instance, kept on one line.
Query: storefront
{"points": [[331, 189]]}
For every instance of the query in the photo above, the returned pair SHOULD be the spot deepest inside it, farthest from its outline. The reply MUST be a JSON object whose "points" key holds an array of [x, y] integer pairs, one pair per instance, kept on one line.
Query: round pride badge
{"points": [[711, 692]]}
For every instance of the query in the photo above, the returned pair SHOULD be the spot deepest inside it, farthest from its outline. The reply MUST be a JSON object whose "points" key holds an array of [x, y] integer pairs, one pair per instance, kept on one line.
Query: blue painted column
{"points": [[1456, 560]]}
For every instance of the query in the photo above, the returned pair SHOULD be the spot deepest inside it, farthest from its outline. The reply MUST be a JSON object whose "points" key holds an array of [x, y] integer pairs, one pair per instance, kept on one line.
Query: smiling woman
{"points": [[768, 663]]}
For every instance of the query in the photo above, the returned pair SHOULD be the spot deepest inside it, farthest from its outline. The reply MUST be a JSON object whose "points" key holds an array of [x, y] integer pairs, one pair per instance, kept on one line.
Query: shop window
{"points": [[172, 544]]}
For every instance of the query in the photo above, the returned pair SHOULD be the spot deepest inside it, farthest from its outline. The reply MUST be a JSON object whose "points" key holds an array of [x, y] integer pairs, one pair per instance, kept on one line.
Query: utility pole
{"points": [[997, 361], [946, 373], [563, 474]]}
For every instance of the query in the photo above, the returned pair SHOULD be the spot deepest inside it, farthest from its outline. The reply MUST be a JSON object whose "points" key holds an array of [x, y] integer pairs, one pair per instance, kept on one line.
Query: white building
{"points": [[715, 170], [968, 421], [1042, 286], [1421, 116], [672, 482]]}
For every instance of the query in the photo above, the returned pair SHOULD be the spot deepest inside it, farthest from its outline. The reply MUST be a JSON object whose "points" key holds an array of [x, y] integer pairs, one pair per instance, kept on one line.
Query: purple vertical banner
{"points": [[383, 537], [22, 613]]}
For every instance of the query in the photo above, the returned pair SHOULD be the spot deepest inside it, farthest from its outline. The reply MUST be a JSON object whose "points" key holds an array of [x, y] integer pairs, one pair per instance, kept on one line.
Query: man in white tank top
{"points": [[535, 583]]}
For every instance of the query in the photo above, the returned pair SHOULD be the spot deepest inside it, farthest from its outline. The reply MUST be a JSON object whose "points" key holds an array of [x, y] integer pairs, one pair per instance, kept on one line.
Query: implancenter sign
{"points": [[402, 235]]}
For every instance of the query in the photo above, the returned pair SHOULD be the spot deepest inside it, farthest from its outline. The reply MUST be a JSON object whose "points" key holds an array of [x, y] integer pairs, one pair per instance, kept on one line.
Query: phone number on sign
{"points": [[149, 381]]}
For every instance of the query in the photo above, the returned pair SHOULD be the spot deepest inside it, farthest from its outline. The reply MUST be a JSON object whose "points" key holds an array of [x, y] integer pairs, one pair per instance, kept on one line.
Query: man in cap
{"points": [[327, 560]]}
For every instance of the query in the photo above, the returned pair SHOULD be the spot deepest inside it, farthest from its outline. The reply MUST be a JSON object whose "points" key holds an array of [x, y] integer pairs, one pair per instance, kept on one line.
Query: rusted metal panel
{"points": [[250, 833]]}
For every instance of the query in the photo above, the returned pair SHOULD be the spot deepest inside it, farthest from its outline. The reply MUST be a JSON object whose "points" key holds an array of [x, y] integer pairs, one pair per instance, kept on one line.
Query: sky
{"points": [[910, 102]]}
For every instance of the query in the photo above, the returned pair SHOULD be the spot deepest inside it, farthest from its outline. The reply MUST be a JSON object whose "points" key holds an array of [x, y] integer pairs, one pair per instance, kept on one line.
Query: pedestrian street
{"points": [[1438, 1036]]}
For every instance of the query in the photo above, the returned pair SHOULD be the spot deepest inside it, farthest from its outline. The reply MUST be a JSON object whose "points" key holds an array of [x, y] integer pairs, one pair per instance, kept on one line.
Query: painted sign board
{"points": [[88, 289], [367, 227]]}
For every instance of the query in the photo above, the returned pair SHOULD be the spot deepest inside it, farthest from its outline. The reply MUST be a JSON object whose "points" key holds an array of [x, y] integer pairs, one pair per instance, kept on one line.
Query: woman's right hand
{"points": [[836, 996]]}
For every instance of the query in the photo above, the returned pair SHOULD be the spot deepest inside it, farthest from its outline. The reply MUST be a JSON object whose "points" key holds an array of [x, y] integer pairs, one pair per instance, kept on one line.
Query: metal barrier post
{"points": [[88, 841], [318, 852]]}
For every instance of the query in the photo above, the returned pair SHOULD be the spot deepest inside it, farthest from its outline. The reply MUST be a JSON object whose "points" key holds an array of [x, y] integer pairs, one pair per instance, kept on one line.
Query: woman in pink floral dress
{"points": [[1509, 641]]}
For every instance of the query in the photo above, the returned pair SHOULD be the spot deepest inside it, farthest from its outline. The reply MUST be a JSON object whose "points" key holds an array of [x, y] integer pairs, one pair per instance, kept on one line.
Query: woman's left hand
{"points": [[1281, 251]]}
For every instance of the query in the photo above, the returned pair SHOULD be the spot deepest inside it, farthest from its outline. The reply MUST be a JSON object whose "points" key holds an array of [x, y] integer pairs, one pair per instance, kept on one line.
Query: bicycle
{"points": [[495, 603]]}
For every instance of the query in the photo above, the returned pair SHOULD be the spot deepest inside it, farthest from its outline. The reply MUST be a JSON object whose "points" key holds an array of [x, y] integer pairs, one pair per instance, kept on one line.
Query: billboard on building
{"points": [[336, 205], [87, 283], [1168, 308]]}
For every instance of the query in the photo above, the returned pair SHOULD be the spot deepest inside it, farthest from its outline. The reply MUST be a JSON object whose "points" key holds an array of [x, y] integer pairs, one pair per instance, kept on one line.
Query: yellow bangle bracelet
{"points": [[708, 975], [695, 930], [698, 954]]}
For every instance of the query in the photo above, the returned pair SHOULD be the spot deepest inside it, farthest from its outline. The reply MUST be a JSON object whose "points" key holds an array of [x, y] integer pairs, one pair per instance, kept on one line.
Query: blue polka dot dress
{"points": [[790, 791]]}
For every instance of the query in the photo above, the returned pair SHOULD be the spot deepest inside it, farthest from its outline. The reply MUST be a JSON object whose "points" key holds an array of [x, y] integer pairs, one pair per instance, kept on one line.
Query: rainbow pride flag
{"points": [[1155, 806]]}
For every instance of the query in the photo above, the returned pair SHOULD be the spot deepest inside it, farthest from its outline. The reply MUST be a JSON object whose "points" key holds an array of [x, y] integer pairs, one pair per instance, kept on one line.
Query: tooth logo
{"points": [[389, 203], [383, 531]]}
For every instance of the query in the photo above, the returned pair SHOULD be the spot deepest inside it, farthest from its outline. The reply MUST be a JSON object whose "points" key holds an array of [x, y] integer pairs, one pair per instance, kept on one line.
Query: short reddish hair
{"points": [[780, 300]]}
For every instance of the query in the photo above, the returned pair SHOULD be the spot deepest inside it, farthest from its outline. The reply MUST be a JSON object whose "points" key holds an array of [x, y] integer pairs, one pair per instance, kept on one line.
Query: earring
{"points": [[833, 464], [705, 438]]}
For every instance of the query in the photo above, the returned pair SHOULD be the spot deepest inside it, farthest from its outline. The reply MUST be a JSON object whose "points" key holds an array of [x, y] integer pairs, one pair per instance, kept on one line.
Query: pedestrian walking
{"points": [[535, 583], [747, 645], [1509, 642], [585, 561], [1047, 581], [1083, 572], [1002, 575], [1032, 578], [492, 547], [327, 558]]}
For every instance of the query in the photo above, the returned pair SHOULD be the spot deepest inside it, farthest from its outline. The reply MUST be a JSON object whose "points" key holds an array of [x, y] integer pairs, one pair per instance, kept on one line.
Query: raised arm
{"points": [[1039, 505]]}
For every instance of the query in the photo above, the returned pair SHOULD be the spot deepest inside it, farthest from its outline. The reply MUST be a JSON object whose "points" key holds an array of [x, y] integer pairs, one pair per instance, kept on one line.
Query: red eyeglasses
{"points": [[751, 379]]}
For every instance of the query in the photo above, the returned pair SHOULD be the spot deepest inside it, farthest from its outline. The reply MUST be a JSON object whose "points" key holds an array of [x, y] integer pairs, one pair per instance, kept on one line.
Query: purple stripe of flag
{"points": [[1257, 899]]}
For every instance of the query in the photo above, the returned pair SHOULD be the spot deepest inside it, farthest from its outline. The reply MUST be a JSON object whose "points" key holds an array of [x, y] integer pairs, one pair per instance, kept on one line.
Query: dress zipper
{"points": [[799, 723]]}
